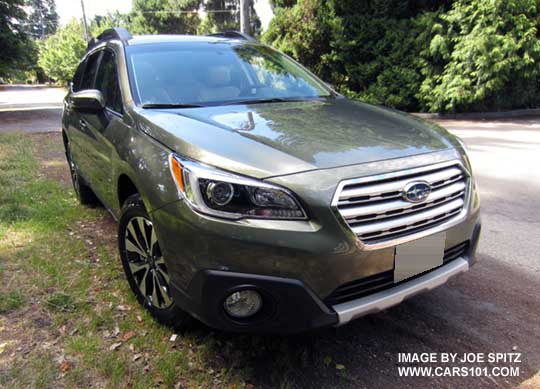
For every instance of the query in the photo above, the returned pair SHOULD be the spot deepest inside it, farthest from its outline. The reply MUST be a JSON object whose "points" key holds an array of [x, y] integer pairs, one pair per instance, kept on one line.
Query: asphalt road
{"points": [[30, 108], [495, 307]]}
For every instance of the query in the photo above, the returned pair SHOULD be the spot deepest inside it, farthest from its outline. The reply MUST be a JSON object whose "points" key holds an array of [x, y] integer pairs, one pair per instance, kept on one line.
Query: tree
{"points": [[305, 32], [60, 54], [15, 47], [367, 49], [484, 55], [165, 17], [101, 23], [222, 15], [42, 20], [282, 3]]}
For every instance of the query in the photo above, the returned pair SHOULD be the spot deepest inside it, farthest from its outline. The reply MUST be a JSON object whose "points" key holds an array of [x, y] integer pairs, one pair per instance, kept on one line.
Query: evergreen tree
{"points": [[165, 17], [42, 20], [483, 55], [14, 43]]}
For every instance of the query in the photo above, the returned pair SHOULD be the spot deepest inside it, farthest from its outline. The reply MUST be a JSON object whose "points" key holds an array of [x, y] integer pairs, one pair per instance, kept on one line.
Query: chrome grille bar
{"points": [[409, 220], [377, 212], [386, 207], [397, 186]]}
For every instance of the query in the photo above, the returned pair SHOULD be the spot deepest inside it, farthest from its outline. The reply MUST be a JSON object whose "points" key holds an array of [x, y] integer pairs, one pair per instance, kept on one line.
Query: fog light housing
{"points": [[243, 303]]}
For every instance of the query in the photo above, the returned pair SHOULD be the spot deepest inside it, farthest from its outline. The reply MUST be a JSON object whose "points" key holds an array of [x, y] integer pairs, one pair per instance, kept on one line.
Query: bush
{"points": [[426, 55], [60, 54], [490, 51]]}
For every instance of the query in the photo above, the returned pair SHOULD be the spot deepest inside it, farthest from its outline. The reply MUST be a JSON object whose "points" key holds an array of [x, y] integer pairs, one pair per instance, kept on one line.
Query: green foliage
{"points": [[219, 21], [490, 51], [305, 32], [282, 3], [424, 55], [42, 19], [15, 46], [101, 23], [216, 20], [60, 54], [367, 50], [164, 17]]}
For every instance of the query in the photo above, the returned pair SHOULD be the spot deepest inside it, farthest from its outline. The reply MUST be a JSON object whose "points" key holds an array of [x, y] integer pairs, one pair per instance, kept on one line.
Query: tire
{"points": [[84, 193], [142, 260]]}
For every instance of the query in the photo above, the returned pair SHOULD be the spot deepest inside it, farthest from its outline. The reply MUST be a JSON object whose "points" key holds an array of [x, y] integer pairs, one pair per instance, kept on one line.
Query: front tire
{"points": [[144, 265]]}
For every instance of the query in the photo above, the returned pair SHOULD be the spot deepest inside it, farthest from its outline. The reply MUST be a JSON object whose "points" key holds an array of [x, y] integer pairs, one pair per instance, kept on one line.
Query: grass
{"points": [[10, 301], [65, 301], [68, 317]]}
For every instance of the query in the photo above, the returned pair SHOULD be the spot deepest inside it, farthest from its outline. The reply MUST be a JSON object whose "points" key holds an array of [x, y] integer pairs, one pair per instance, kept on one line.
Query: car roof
{"points": [[153, 39]]}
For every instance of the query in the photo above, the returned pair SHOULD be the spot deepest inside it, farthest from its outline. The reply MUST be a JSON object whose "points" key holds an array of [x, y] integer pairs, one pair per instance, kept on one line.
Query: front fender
{"points": [[146, 163]]}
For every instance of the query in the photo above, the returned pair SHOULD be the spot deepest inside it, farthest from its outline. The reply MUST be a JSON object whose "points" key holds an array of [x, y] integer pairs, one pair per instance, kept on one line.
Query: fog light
{"points": [[243, 303]]}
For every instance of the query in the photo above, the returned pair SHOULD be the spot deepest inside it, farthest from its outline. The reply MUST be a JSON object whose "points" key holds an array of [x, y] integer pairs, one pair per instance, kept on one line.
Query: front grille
{"points": [[376, 283], [455, 252], [375, 210]]}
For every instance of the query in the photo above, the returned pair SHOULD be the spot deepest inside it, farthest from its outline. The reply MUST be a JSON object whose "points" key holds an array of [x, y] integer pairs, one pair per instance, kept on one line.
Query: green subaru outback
{"points": [[251, 196]]}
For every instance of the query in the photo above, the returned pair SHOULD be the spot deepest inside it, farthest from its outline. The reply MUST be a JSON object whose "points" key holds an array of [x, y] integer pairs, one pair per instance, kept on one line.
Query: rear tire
{"points": [[144, 265], [84, 193]]}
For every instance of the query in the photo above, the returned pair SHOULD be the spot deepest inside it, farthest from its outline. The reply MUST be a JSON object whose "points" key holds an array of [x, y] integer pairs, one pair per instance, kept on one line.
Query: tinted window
{"points": [[90, 71], [107, 82], [220, 73], [78, 77]]}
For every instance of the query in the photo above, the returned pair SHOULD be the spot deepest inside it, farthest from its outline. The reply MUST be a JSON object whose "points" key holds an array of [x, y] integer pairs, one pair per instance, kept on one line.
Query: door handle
{"points": [[83, 123]]}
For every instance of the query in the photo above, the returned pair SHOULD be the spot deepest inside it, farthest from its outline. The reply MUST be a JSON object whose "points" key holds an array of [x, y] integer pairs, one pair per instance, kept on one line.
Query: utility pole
{"points": [[84, 22], [244, 16]]}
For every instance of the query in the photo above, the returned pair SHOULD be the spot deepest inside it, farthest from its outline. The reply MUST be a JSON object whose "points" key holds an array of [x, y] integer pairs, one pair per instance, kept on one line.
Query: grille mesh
{"points": [[376, 211]]}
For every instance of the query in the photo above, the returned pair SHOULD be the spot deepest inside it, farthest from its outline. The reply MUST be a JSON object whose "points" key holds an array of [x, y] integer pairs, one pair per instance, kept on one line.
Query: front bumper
{"points": [[297, 265], [387, 298], [290, 306]]}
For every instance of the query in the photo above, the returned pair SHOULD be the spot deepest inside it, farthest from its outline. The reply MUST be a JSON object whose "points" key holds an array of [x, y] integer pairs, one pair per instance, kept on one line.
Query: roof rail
{"points": [[112, 33], [233, 35]]}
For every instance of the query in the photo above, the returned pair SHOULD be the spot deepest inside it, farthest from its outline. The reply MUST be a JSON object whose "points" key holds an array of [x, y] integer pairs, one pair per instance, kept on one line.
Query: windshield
{"points": [[213, 73]]}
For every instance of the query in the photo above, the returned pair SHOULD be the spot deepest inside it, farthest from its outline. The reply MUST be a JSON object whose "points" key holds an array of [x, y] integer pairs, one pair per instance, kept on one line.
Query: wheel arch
{"points": [[125, 188]]}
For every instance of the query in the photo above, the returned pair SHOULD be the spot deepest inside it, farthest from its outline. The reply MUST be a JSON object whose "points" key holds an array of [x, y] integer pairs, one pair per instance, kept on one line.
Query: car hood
{"points": [[264, 140]]}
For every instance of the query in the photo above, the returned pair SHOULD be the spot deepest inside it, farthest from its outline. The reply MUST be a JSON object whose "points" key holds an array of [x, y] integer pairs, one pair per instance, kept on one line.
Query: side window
{"points": [[107, 82], [90, 71], [77, 77]]}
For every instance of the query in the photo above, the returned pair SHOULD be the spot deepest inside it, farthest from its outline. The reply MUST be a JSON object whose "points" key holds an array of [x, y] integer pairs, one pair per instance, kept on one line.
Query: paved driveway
{"points": [[30, 108]]}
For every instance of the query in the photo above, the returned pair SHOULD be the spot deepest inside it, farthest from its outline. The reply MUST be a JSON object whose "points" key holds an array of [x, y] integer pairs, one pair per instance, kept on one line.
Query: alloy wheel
{"points": [[146, 262]]}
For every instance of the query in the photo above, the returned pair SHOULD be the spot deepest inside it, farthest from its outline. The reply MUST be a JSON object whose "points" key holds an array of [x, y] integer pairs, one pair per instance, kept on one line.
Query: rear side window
{"points": [[107, 81], [90, 71]]}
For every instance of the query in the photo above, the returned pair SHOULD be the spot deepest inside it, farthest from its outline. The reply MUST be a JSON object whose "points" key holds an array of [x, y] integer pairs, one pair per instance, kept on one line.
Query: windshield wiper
{"points": [[269, 100], [157, 105]]}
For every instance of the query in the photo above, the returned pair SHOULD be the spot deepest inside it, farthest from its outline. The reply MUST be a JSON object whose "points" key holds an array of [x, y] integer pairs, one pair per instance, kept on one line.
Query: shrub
{"points": [[60, 54]]}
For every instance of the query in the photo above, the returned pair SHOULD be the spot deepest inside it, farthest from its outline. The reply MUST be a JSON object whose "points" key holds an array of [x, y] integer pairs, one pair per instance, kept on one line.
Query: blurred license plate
{"points": [[418, 256]]}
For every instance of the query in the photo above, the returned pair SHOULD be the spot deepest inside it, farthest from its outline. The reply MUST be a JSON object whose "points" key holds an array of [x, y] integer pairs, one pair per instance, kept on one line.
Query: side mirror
{"points": [[89, 100]]}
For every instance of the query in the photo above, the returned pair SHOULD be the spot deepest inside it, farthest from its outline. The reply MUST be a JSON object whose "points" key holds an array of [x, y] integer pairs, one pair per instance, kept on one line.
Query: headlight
{"points": [[219, 193]]}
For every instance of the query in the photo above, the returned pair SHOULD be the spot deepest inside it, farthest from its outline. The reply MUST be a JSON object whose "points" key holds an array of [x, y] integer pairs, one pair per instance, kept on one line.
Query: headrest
{"points": [[218, 76]]}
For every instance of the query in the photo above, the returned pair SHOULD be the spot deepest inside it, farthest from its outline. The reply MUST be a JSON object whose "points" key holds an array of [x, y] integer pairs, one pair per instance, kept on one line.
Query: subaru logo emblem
{"points": [[416, 191]]}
